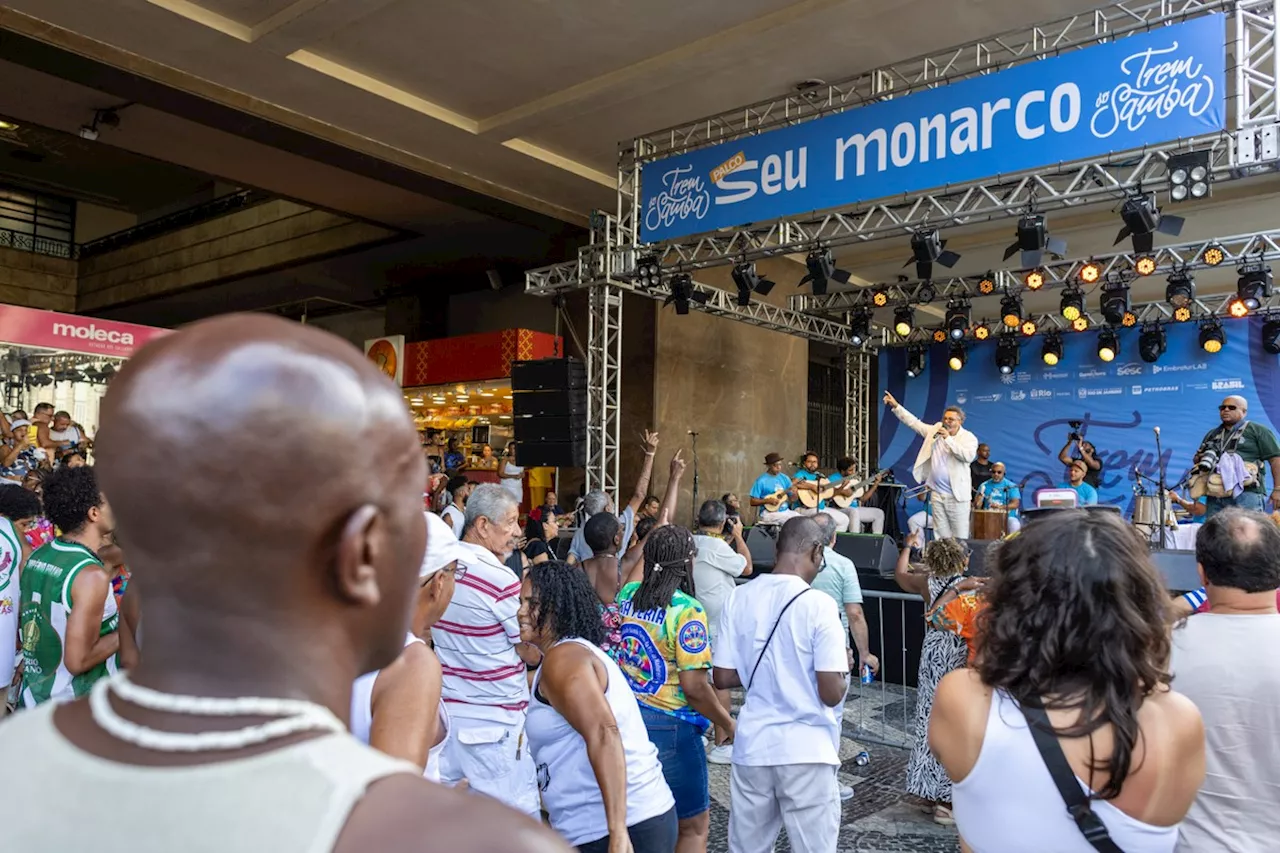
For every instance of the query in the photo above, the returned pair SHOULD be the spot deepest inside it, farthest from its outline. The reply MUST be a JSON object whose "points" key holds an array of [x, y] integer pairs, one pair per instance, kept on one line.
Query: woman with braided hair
{"points": [[945, 562], [665, 654]]}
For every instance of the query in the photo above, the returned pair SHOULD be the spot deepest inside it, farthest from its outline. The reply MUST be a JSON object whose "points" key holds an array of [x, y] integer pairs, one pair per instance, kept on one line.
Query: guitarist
{"points": [[817, 488], [844, 481], [773, 493]]}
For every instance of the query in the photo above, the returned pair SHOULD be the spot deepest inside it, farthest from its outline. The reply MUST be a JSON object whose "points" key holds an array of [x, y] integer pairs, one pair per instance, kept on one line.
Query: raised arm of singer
{"points": [[943, 465]]}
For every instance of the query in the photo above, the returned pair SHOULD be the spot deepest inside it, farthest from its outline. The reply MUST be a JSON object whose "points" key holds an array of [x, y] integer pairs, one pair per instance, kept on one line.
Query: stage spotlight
{"points": [[648, 271], [957, 319], [1238, 308], [939, 336], [1212, 338], [859, 327], [748, 282], [1182, 314], [1072, 305], [926, 293], [1051, 349], [917, 357], [1033, 241], [1213, 255], [1108, 345], [903, 317], [1189, 176], [987, 284], [959, 355], [1090, 273], [1008, 354], [1115, 303], [1254, 286], [1271, 335], [1145, 265], [1181, 289], [1080, 324], [1152, 343], [879, 298], [926, 248], [1034, 280], [822, 269], [1142, 219], [683, 292], [1029, 327], [1011, 311], [981, 332]]}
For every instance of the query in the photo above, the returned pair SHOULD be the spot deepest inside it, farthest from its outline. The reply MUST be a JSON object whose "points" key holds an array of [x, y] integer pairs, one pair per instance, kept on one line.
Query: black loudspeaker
{"points": [[763, 545], [869, 553], [549, 408]]}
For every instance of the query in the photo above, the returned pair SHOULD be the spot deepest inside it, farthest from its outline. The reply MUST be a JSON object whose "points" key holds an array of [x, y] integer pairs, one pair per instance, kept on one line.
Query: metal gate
{"points": [[826, 414], [885, 711]]}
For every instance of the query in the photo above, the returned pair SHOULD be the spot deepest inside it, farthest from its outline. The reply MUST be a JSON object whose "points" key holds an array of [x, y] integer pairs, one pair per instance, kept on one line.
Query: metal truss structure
{"points": [[1256, 247], [858, 391], [1250, 147]]}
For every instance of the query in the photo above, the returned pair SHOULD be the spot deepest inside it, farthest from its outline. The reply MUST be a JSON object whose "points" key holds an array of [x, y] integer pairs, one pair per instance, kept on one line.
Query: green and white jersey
{"points": [[46, 601]]}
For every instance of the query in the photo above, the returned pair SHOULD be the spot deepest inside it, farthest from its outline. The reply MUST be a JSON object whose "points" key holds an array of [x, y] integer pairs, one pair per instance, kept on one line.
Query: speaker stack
{"points": [[549, 412]]}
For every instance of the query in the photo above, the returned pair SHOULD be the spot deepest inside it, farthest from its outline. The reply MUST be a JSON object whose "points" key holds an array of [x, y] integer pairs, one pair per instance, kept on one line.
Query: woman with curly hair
{"points": [[1073, 642], [601, 783], [945, 561], [665, 653]]}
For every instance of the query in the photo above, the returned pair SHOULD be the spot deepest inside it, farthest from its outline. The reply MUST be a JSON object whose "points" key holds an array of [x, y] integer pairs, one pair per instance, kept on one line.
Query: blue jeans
{"points": [[684, 760], [1246, 500]]}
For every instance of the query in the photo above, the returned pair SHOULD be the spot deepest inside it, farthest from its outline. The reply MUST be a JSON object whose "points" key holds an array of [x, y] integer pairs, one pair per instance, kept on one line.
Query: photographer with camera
{"points": [[1084, 451], [1228, 465]]}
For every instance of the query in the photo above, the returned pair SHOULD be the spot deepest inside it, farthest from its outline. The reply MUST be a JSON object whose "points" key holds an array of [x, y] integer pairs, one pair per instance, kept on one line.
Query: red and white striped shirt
{"points": [[476, 641]]}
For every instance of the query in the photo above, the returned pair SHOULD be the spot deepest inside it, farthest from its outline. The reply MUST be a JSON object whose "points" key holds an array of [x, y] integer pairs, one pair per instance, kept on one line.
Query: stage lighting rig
{"points": [[1271, 335], [987, 284], [1051, 349], [683, 292], [1034, 279], [859, 327], [1142, 219], [1212, 337], [903, 319], [958, 356], [1090, 273], [1072, 304], [1008, 354], [648, 271], [1152, 343], [1033, 241], [926, 293], [749, 281], [1189, 176], [1115, 304], [917, 357], [879, 298], [958, 314], [1108, 344], [1213, 255], [1181, 289], [981, 332], [1011, 311], [928, 247], [822, 269], [1255, 285]]}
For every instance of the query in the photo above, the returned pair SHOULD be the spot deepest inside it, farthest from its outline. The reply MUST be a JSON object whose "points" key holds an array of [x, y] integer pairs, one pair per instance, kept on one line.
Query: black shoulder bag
{"points": [[769, 639], [1078, 804]]}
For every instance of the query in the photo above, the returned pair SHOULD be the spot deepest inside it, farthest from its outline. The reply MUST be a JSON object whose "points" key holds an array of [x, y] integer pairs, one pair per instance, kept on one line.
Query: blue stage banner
{"points": [[1147, 88], [1024, 416]]}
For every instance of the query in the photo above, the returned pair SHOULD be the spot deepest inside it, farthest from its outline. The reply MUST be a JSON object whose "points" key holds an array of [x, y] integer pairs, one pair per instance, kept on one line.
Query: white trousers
{"points": [[950, 517], [836, 515], [766, 517], [918, 522], [860, 515], [803, 797], [494, 759]]}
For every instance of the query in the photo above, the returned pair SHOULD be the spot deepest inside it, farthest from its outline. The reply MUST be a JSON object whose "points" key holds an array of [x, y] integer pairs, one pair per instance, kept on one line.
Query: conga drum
{"points": [[989, 523]]}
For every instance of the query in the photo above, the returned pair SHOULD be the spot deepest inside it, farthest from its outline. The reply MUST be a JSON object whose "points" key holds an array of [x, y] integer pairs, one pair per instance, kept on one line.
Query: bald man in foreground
{"points": [[1255, 446], [278, 567]]}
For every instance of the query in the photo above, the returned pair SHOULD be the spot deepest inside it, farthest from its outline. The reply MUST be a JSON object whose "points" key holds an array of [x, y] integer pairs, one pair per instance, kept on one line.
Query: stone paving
{"points": [[881, 817]]}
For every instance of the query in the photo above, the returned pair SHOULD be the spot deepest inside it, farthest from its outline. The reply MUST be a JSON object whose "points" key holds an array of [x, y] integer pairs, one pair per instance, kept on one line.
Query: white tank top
{"points": [[290, 800], [570, 792], [362, 716], [1009, 804]]}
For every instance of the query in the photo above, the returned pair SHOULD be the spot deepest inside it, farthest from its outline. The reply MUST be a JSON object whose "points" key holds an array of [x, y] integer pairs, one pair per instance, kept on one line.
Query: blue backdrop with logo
{"points": [[1151, 87], [1024, 416]]}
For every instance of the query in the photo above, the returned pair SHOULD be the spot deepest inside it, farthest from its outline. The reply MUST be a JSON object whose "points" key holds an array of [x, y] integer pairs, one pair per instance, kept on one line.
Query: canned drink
{"points": [[867, 675], [862, 759]]}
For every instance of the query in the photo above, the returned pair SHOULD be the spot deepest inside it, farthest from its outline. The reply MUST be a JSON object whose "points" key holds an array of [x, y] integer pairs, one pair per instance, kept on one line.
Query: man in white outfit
{"points": [[943, 465]]}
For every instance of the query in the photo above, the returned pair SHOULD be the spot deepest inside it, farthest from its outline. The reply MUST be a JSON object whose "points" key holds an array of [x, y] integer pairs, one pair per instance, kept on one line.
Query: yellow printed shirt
{"points": [[657, 645]]}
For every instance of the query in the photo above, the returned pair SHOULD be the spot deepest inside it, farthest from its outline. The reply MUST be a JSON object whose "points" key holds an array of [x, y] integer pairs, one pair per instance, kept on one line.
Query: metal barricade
{"points": [[884, 711]]}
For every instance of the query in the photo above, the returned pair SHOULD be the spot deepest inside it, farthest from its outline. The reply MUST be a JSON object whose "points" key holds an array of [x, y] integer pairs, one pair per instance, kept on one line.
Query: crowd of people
{"points": [[326, 666]]}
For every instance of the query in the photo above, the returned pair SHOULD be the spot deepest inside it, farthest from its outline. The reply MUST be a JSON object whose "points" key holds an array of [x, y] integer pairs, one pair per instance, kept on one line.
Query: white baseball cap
{"points": [[443, 547]]}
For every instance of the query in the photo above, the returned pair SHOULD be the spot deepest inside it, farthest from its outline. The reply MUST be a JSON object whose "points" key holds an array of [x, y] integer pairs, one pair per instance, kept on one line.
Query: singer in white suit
{"points": [[943, 465]]}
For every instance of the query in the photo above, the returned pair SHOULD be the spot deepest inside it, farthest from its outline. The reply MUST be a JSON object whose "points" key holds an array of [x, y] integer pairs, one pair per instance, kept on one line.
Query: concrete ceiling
{"points": [[522, 99]]}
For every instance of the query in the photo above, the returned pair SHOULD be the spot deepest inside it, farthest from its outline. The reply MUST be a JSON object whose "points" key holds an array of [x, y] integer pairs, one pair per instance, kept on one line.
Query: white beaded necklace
{"points": [[295, 716]]}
